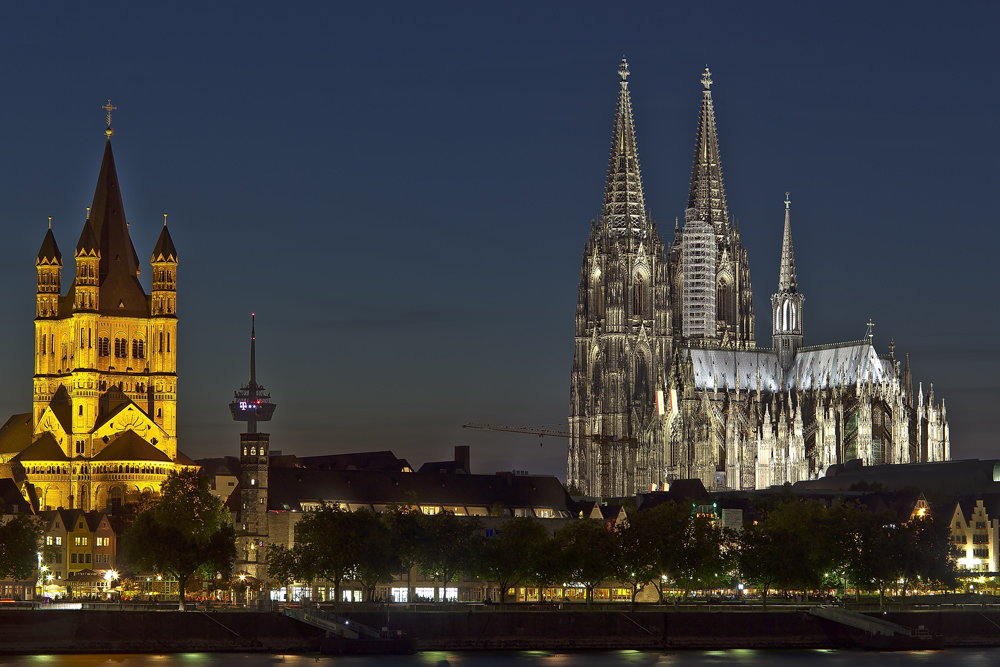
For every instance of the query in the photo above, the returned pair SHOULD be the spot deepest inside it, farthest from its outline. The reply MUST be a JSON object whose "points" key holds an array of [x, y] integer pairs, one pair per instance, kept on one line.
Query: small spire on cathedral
{"points": [[164, 219], [88, 213], [870, 335], [706, 79], [50, 222]]}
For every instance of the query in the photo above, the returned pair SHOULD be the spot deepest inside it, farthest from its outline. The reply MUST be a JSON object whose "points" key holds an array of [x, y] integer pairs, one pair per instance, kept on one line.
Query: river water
{"points": [[734, 658]]}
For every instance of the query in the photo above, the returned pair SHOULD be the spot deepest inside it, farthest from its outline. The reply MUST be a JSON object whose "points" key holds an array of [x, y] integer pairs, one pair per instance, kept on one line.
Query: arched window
{"points": [[638, 296]]}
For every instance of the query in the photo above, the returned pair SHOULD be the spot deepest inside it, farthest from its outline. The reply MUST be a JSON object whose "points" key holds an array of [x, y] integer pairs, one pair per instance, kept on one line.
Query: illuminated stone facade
{"points": [[103, 426], [667, 380]]}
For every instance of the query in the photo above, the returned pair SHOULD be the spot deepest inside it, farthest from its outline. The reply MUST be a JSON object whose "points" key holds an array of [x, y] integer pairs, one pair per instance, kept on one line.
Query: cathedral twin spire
{"points": [[708, 193], [624, 211]]}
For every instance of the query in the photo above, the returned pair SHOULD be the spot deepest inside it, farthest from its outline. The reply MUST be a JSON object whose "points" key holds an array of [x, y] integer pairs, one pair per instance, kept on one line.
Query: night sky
{"points": [[402, 192]]}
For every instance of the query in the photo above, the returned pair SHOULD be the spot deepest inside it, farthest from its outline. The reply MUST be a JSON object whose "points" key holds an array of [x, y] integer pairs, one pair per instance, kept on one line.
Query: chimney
{"points": [[462, 458]]}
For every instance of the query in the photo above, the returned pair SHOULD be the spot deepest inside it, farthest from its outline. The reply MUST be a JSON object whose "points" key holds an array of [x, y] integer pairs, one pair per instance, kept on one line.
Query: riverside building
{"points": [[103, 423], [667, 380]]}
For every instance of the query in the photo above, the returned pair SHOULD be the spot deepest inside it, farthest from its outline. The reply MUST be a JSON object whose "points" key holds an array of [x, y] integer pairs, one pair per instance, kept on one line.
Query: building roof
{"points": [[121, 293], [88, 243], [16, 433], [45, 448], [13, 501], [164, 250], [819, 367], [288, 488], [130, 446], [384, 461], [943, 477], [49, 252]]}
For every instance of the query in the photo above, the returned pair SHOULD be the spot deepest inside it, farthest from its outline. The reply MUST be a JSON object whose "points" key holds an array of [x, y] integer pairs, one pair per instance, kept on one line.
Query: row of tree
{"points": [[797, 545]]}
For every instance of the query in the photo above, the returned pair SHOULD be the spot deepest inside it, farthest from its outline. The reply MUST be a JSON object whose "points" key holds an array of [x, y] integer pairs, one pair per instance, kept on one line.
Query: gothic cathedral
{"points": [[667, 380], [103, 425]]}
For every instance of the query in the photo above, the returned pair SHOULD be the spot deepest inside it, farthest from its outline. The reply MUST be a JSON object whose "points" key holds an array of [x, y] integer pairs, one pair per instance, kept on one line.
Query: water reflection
{"points": [[741, 657]]}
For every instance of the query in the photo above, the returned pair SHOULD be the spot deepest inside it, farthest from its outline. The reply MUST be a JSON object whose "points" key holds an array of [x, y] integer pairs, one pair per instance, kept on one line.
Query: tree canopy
{"points": [[187, 530]]}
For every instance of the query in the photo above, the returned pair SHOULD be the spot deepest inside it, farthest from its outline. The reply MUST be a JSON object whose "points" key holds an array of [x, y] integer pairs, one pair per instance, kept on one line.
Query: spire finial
{"points": [[107, 107], [88, 213], [706, 79], [50, 222], [787, 201], [870, 335], [164, 219], [623, 70]]}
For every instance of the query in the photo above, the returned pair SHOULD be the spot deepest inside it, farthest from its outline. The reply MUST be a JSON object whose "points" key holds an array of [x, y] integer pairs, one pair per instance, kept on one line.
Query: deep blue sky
{"points": [[402, 192]]}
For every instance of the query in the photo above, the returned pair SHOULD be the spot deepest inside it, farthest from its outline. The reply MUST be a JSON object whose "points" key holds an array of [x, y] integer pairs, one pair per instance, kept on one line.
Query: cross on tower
{"points": [[623, 69], [706, 79], [787, 201], [870, 335], [107, 107]]}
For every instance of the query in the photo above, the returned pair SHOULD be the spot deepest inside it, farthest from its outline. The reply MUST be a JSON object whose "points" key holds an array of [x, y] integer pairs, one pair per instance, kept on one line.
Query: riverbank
{"points": [[93, 631]]}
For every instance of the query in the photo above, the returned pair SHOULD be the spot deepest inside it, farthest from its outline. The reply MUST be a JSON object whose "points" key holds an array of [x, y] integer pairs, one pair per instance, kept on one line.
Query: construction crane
{"points": [[542, 432], [605, 441]]}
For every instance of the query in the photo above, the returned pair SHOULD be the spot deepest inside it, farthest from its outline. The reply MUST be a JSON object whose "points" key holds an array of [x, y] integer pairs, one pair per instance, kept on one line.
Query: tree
{"points": [[406, 530], [505, 556], [666, 526], [591, 551], [188, 529], [19, 540], [637, 563], [126, 515], [788, 548], [702, 562], [375, 557], [447, 546]]}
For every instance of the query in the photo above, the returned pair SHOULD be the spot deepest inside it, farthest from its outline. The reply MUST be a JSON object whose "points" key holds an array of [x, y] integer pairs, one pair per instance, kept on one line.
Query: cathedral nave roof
{"points": [[820, 367]]}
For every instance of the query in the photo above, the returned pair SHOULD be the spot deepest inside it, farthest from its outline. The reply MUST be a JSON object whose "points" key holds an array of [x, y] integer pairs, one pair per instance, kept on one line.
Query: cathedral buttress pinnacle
{"points": [[708, 193]]}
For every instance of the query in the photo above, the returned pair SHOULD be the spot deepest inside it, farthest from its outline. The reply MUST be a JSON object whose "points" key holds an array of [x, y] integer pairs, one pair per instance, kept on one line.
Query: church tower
{"points": [[712, 298], [623, 332], [103, 419], [252, 405], [786, 305]]}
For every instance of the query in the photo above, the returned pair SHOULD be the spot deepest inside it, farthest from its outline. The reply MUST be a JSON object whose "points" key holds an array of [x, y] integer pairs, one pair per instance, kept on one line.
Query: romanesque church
{"points": [[103, 424], [668, 381]]}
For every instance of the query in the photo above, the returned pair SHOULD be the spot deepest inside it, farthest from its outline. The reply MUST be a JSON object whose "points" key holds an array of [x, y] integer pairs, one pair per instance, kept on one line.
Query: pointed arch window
{"points": [[638, 296]]}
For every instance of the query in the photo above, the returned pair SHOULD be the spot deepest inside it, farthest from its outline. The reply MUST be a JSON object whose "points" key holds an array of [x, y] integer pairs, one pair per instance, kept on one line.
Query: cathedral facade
{"points": [[667, 380], [103, 424]]}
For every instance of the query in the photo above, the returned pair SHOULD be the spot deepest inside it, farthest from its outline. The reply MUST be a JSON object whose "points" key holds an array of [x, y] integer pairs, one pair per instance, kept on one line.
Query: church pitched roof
{"points": [[624, 210], [164, 249], [44, 449], [49, 252], [786, 278], [708, 193], [15, 434], [121, 293], [130, 446]]}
